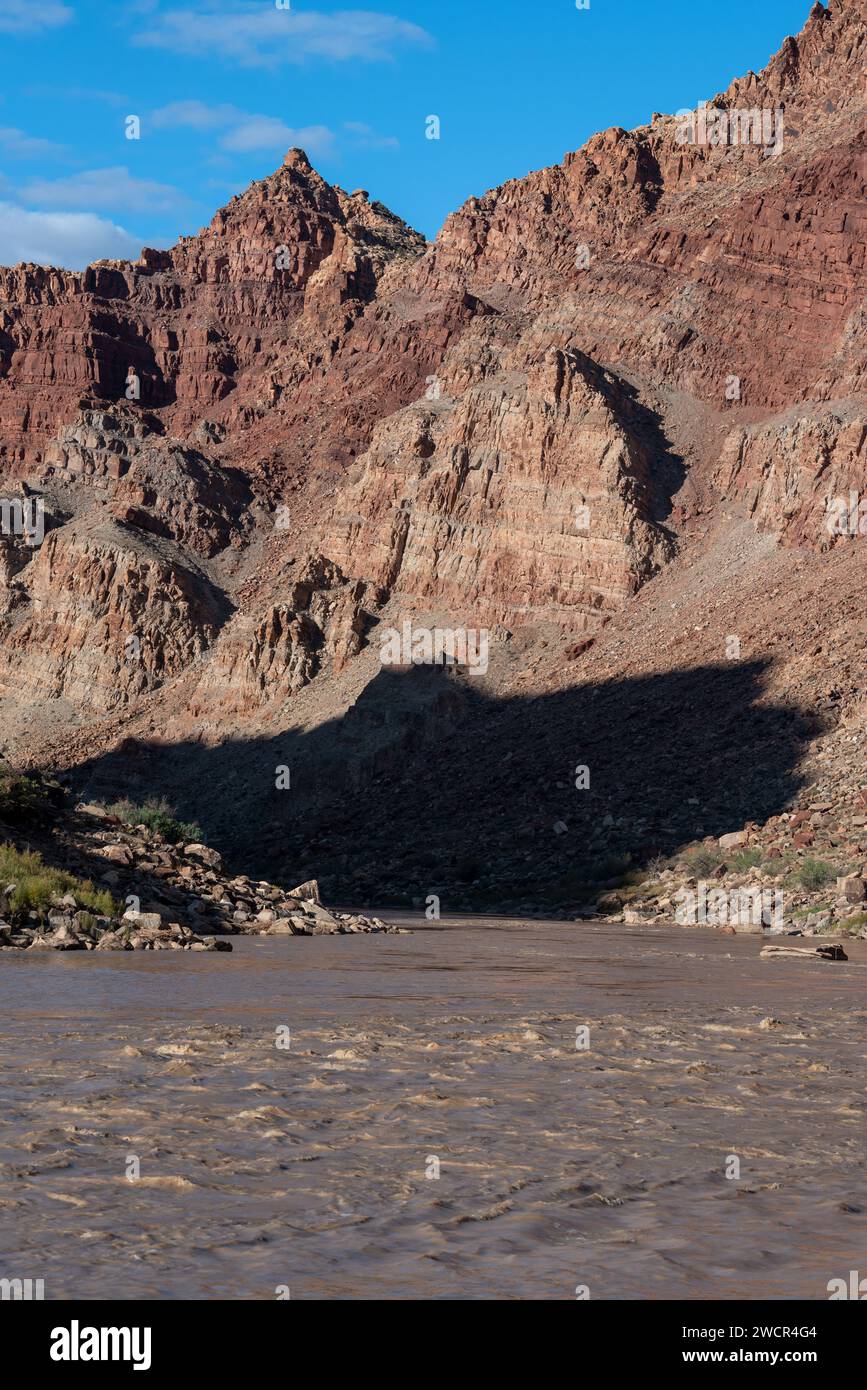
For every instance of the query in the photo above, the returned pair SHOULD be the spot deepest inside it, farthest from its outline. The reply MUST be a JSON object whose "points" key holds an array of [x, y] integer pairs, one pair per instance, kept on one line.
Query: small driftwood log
{"points": [[830, 952]]}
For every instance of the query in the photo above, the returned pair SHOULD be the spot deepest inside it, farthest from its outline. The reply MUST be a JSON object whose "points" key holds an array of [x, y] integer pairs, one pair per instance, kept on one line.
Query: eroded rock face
{"points": [[531, 423], [107, 619], [797, 473], [695, 256], [266, 656], [262, 293], [531, 492], [151, 482]]}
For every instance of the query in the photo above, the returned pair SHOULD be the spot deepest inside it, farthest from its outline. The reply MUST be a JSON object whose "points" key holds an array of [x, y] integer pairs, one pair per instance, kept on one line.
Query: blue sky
{"points": [[223, 87]]}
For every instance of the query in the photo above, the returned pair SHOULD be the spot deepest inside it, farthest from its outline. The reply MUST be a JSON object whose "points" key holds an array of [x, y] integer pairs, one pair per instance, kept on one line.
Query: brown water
{"points": [[306, 1167]]}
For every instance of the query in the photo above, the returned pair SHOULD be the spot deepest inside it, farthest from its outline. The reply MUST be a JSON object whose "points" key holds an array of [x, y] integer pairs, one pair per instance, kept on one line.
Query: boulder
{"points": [[57, 920], [118, 854], [144, 921], [290, 926], [319, 918], [65, 939], [852, 888], [307, 890], [733, 839], [112, 941], [204, 855], [817, 922]]}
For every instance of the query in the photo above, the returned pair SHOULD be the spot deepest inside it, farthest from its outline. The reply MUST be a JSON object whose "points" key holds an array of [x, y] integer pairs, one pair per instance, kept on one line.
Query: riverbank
{"points": [[88, 880]]}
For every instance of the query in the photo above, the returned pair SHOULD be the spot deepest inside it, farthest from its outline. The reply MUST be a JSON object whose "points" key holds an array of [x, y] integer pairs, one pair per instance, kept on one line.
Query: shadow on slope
{"points": [[428, 785]]}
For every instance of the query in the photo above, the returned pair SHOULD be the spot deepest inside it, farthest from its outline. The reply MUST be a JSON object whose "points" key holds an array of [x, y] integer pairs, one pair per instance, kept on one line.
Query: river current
{"points": [[482, 1109]]}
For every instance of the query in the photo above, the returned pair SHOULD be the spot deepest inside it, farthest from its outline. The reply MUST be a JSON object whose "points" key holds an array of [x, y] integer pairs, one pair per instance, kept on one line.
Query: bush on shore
{"points": [[159, 817], [27, 799], [749, 858], [701, 860], [815, 873], [37, 885]]}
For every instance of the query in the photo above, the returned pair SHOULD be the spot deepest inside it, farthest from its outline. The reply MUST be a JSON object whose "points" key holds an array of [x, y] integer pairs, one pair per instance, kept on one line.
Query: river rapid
{"points": [[483, 1109]]}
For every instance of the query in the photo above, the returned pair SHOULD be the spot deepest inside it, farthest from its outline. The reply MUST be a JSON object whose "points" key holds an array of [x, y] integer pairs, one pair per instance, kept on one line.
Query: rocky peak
{"points": [[297, 159], [291, 222], [596, 377], [823, 65]]}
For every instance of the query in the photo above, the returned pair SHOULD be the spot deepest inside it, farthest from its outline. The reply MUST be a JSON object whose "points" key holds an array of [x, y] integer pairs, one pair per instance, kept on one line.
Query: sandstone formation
{"points": [[789, 469], [605, 417], [534, 491], [258, 293], [109, 617]]}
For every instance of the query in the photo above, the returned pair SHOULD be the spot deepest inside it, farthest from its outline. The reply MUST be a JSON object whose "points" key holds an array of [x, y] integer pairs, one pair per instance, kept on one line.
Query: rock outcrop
{"points": [[797, 473], [264, 657], [531, 487], [605, 416], [149, 480], [166, 896], [108, 618], [257, 296]]}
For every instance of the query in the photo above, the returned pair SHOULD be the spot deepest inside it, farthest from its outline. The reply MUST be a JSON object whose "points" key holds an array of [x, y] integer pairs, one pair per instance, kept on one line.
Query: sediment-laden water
{"points": [[265, 1167]]}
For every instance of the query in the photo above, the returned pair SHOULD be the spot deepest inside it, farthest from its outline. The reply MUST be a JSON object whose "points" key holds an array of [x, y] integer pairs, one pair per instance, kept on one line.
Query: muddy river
{"points": [[482, 1109]]}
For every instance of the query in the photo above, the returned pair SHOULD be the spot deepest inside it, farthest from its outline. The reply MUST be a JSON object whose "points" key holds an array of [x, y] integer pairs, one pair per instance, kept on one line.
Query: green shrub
{"points": [[815, 873], [854, 923], [702, 860], [158, 817], [37, 885], [746, 859], [27, 800], [611, 867]]}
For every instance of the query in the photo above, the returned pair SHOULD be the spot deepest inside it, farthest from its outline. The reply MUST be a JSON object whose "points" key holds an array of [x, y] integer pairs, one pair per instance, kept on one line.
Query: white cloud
{"points": [[32, 16], [102, 188], [368, 138], [269, 133], [22, 146], [265, 36], [197, 115], [53, 92], [245, 130], [68, 239]]}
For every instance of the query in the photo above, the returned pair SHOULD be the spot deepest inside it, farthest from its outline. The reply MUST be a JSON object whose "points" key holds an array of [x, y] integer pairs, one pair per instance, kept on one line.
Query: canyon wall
{"points": [[524, 425]]}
